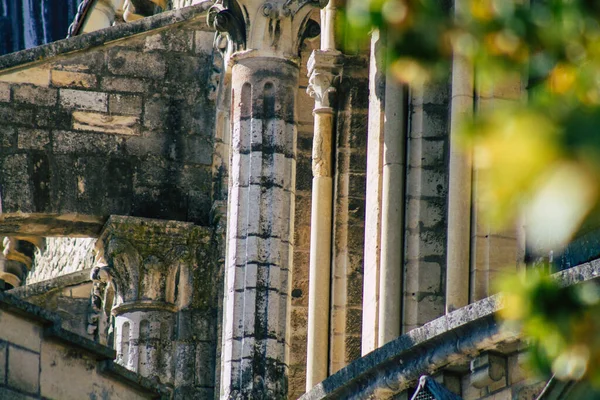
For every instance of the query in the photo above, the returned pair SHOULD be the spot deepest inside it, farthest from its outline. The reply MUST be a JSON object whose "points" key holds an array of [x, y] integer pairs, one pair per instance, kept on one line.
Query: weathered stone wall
{"points": [[126, 129], [349, 212], [40, 360], [426, 205], [61, 256], [299, 312]]}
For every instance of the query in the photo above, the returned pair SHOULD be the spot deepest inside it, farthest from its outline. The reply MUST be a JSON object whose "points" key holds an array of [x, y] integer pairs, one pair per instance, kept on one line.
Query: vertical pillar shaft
{"points": [[459, 188], [372, 252], [260, 229], [324, 72], [384, 230], [392, 214]]}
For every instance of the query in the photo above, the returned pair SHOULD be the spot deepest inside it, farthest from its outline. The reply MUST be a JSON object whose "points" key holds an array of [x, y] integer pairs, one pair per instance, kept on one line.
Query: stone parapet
{"points": [[456, 343], [37, 359]]}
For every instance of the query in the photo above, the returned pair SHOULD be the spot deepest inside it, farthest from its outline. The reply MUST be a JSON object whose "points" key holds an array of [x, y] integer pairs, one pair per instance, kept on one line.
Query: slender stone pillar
{"points": [[263, 52], [459, 187], [324, 68]]}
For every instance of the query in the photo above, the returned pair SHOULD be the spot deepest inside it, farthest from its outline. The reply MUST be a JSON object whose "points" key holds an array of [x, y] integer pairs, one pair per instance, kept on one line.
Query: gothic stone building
{"points": [[213, 200]]}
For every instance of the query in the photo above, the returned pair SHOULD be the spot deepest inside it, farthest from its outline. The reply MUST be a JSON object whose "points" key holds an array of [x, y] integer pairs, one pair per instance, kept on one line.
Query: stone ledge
{"points": [[448, 340], [59, 283], [102, 37], [121, 373], [98, 351]]}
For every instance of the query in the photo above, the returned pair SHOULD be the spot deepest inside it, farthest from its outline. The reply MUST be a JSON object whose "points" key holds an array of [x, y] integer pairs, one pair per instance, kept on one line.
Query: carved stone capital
{"points": [[142, 259], [273, 28], [324, 72]]}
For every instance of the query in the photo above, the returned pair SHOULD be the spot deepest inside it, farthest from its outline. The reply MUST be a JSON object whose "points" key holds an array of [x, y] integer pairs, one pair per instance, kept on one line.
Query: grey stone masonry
{"points": [[108, 123], [260, 229]]}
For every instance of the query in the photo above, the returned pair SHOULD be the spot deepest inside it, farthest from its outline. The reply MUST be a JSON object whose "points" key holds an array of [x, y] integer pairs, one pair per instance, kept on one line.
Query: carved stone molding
{"points": [[146, 272], [17, 258], [273, 28], [324, 72]]}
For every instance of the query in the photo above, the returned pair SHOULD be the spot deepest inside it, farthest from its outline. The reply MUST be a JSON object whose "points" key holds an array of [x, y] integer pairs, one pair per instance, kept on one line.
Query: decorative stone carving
{"points": [[272, 28], [324, 71], [17, 258], [143, 276]]}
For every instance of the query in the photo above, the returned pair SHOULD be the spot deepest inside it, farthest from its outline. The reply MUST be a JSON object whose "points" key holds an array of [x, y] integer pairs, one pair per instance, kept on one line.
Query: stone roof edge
{"points": [[59, 282], [101, 37], [104, 355], [470, 328]]}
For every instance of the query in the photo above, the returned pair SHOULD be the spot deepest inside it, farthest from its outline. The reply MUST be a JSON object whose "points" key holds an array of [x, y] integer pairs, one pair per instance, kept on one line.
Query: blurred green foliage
{"points": [[538, 155], [561, 323]]}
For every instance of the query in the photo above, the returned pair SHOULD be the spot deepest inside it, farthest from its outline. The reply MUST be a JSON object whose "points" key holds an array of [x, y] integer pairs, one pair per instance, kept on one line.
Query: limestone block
{"points": [[39, 76], [429, 307], [73, 142], [38, 95], [424, 213], [79, 99], [124, 104], [424, 244], [35, 139], [428, 121], [133, 63], [426, 183], [87, 61], [203, 42], [422, 276], [179, 41], [7, 136], [121, 84], [427, 152], [23, 370], [488, 370], [60, 364], [4, 92], [117, 124], [72, 79], [19, 331]]}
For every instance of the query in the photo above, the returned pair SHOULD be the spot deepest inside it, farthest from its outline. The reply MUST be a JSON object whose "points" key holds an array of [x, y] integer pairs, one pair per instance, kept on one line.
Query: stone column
{"points": [[459, 187], [16, 259], [264, 43], [147, 263], [324, 69]]}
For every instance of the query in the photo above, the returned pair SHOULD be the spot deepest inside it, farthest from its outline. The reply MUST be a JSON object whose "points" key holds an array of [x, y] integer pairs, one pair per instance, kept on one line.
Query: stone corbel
{"points": [[488, 369]]}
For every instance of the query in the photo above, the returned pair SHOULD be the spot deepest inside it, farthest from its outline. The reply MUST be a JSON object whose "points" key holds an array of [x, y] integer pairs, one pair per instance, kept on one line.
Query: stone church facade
{"points": [[208, 200]]}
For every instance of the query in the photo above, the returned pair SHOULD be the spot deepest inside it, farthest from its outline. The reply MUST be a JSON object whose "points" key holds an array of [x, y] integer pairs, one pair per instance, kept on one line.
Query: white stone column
{"points": [[324, 68], [384, 222], [459, 187], [264, 40], [260, 229]]}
